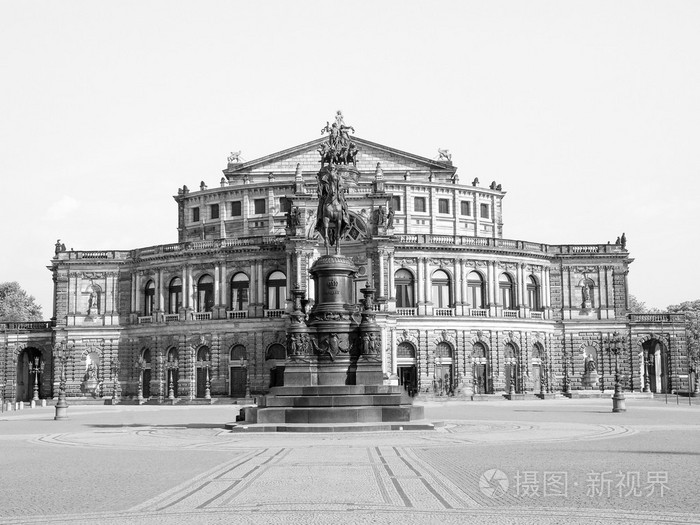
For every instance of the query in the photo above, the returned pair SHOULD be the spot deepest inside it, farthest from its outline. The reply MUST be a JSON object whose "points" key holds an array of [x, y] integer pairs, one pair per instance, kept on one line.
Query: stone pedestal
{"points": [[333, 372], [590, 379]]}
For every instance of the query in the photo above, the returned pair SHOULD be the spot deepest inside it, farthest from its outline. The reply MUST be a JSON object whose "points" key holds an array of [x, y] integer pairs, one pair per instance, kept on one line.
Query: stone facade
{"points": [[461, 309]]}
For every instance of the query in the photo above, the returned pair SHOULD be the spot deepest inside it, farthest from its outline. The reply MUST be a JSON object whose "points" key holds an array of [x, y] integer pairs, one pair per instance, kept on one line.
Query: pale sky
{"points": [[586, 112]]}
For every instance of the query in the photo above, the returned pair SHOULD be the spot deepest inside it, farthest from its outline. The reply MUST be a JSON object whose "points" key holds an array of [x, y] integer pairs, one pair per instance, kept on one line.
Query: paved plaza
{"points": [[553, 461]]}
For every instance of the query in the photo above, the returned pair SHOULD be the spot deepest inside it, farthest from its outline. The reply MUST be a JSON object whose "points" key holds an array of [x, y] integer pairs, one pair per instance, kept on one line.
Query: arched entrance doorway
{"points": [[29, 373], [203, 364], [238, 371], [274, 358], [146, 373], [539, 369], [480, 369], [513, 377], [444, 371], [406, 367], [657, 366]]}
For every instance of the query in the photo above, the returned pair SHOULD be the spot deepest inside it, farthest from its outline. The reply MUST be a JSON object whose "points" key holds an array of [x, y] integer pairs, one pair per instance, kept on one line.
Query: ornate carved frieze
{"points": [[584, 269], [92, 275]]}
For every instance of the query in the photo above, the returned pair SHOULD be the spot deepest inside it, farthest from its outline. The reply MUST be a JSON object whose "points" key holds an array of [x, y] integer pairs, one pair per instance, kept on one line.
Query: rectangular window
{"points": [[465, 208], [259, 206], [214, 211], [396, 203], [419, 204], [484, 211], [236, 209], [195, 214], [285, 205], [443, 206]]}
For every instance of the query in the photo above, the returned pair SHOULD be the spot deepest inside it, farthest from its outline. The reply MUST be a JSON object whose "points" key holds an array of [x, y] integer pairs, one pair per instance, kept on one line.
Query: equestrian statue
{"points": [[338, 169]]}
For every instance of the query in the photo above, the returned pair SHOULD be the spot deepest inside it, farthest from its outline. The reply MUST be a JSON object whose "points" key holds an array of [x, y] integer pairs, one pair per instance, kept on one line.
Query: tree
{"points": [[16, 305], [691, 309], [638, 307]]}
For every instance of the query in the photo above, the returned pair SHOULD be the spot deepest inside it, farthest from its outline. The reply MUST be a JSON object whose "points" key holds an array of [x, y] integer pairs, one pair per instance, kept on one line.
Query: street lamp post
{"points": [[36, 367], [565, 380], [171, 365], [647, 365], [614, 345], [207, 384], [114, 368], [140, 366], [244, 364], [61, 356]]}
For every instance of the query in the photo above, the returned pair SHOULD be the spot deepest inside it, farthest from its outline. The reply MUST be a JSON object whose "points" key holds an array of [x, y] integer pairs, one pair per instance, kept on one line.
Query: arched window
{"points": [[205, 293], [203, 354], [174, 295], [511, 351], [239, 291], [238, 353], [479, 350], [476, 295], [443, 349], [506, 289], [537, 351], [276, 351], [276, 291], [406, 350], [146, 355], [441, 289], [172, 355], [533, 293], [404, 283], [150, 298]]}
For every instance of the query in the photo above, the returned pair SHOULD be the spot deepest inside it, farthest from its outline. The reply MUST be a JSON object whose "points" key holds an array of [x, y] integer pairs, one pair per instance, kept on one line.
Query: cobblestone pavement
{"points": [[554, 461]]}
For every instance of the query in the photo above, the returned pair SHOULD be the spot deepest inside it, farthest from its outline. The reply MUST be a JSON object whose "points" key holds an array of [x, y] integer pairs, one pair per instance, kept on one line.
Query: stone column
{"points": [[420, 278], [392, 342], [191, 303], [137, 293], [132, 306], [463, 286], [217, 283], [261, 287], [392, 289], [428, 284], [381, 274], [161, 296], [223, 300], [491, 286]]}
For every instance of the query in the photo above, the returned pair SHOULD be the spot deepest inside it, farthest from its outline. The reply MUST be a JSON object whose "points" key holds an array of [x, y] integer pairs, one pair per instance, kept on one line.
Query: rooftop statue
{"points": [[338, 161]]}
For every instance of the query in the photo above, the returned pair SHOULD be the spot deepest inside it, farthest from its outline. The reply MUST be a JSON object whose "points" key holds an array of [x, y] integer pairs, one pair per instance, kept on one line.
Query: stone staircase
{"points": [[332, 408]]}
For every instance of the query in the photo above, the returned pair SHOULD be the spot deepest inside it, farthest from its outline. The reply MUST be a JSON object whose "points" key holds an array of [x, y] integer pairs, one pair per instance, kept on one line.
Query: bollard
{"points": [[43, 403]]}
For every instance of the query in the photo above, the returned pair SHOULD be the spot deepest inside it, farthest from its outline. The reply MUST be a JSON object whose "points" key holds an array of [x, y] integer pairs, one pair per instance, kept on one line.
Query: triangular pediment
{"points": [[307, 157]]}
